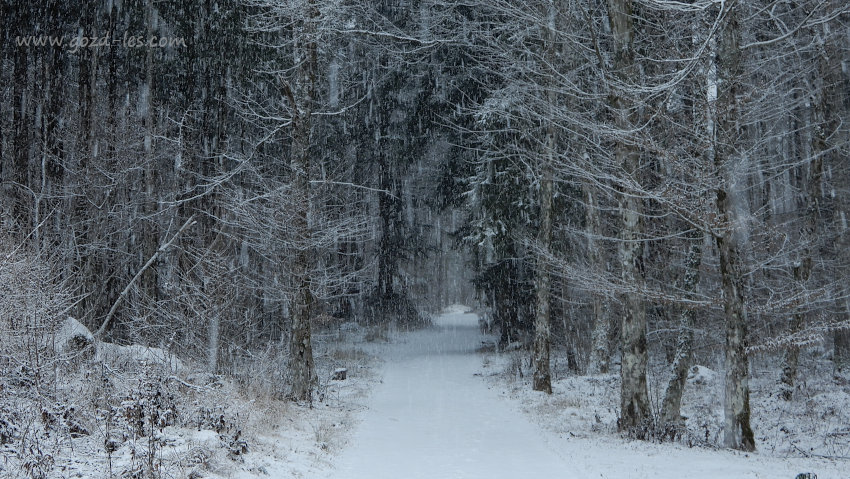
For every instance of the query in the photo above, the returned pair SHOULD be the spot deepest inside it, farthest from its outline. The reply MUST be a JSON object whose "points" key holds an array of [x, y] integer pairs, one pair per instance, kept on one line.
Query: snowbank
{"points": [[135, 353], [73, 336]]}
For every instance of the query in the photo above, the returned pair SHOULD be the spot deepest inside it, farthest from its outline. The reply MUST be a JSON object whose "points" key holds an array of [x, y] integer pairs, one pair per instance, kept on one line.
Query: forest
{"points": [[619, 186]]}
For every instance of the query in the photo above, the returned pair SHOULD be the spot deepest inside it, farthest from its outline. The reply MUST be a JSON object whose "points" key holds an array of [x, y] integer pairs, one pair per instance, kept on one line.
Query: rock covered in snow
{"points": [[701, 375], [73, 337]]}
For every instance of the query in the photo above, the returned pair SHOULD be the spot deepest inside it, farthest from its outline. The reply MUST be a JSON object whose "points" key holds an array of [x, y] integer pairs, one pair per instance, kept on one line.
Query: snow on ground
{"points": [[579, 420], [434, 417], [132, 412], [432, 404], [305, 440]]}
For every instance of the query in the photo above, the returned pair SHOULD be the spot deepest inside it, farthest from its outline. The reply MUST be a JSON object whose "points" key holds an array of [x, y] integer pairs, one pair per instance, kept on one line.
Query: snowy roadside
{"points": [[303, 440], [132, 412], [579, 422]]}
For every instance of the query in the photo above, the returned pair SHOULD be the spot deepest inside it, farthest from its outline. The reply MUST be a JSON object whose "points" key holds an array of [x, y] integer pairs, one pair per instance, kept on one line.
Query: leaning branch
{"points": [[138, 275]]}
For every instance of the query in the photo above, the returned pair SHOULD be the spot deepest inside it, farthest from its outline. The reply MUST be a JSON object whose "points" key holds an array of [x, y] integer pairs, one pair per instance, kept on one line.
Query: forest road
{"points": [[432, 418]]}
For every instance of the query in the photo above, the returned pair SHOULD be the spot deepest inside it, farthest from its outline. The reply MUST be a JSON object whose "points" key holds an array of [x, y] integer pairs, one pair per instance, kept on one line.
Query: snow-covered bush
{"points": [[32, 302]]}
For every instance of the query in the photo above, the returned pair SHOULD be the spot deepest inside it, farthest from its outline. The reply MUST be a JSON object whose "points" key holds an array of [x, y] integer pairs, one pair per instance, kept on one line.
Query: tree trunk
{"points": [[150, 229], [542, 377], [634, 398], [389, 245], [821, 115], [542, 374], [213, 342], [802, 270], [841, 349], [737, 431], [21, 94], [302, 368], [599, 355], [671, 407]]}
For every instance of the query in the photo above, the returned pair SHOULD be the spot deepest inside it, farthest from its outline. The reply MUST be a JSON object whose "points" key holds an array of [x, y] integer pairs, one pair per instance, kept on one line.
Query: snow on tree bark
{"points": [[542, 380]]}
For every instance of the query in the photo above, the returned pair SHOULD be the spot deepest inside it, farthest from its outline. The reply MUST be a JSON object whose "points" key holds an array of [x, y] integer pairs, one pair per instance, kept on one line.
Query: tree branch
{"points": [[138, 275]]}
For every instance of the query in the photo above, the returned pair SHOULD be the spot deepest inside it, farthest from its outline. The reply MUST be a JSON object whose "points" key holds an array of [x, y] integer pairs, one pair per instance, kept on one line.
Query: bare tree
{"points": [[634, 400], [738, 433]]}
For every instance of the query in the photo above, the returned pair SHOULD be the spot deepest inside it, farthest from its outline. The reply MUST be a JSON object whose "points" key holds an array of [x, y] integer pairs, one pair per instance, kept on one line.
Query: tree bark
{"points": [[302, 368], [737, 431], [599, 355], [150, 226], [841, 349], [390, 244], [802, 268], [21, 94], [542, 374], [671, 406], [634, 398]]}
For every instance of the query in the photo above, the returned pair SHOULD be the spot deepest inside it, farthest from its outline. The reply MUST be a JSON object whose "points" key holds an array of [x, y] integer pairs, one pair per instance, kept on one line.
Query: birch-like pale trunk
{"points": [[737, 431], [634, 398], [301, 366], [671, 405], [213, 342]]}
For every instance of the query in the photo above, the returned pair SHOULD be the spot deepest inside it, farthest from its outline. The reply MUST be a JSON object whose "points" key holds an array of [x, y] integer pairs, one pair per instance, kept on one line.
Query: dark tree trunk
{"points": [[542, 375], [841, 350], [599, 354], [21, 96], [737, 431], [152, 177], [302, 368]]}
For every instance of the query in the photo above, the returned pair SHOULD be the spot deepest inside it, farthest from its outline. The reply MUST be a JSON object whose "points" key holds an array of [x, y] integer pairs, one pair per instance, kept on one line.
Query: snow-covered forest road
{"points": [[431, 417]]}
